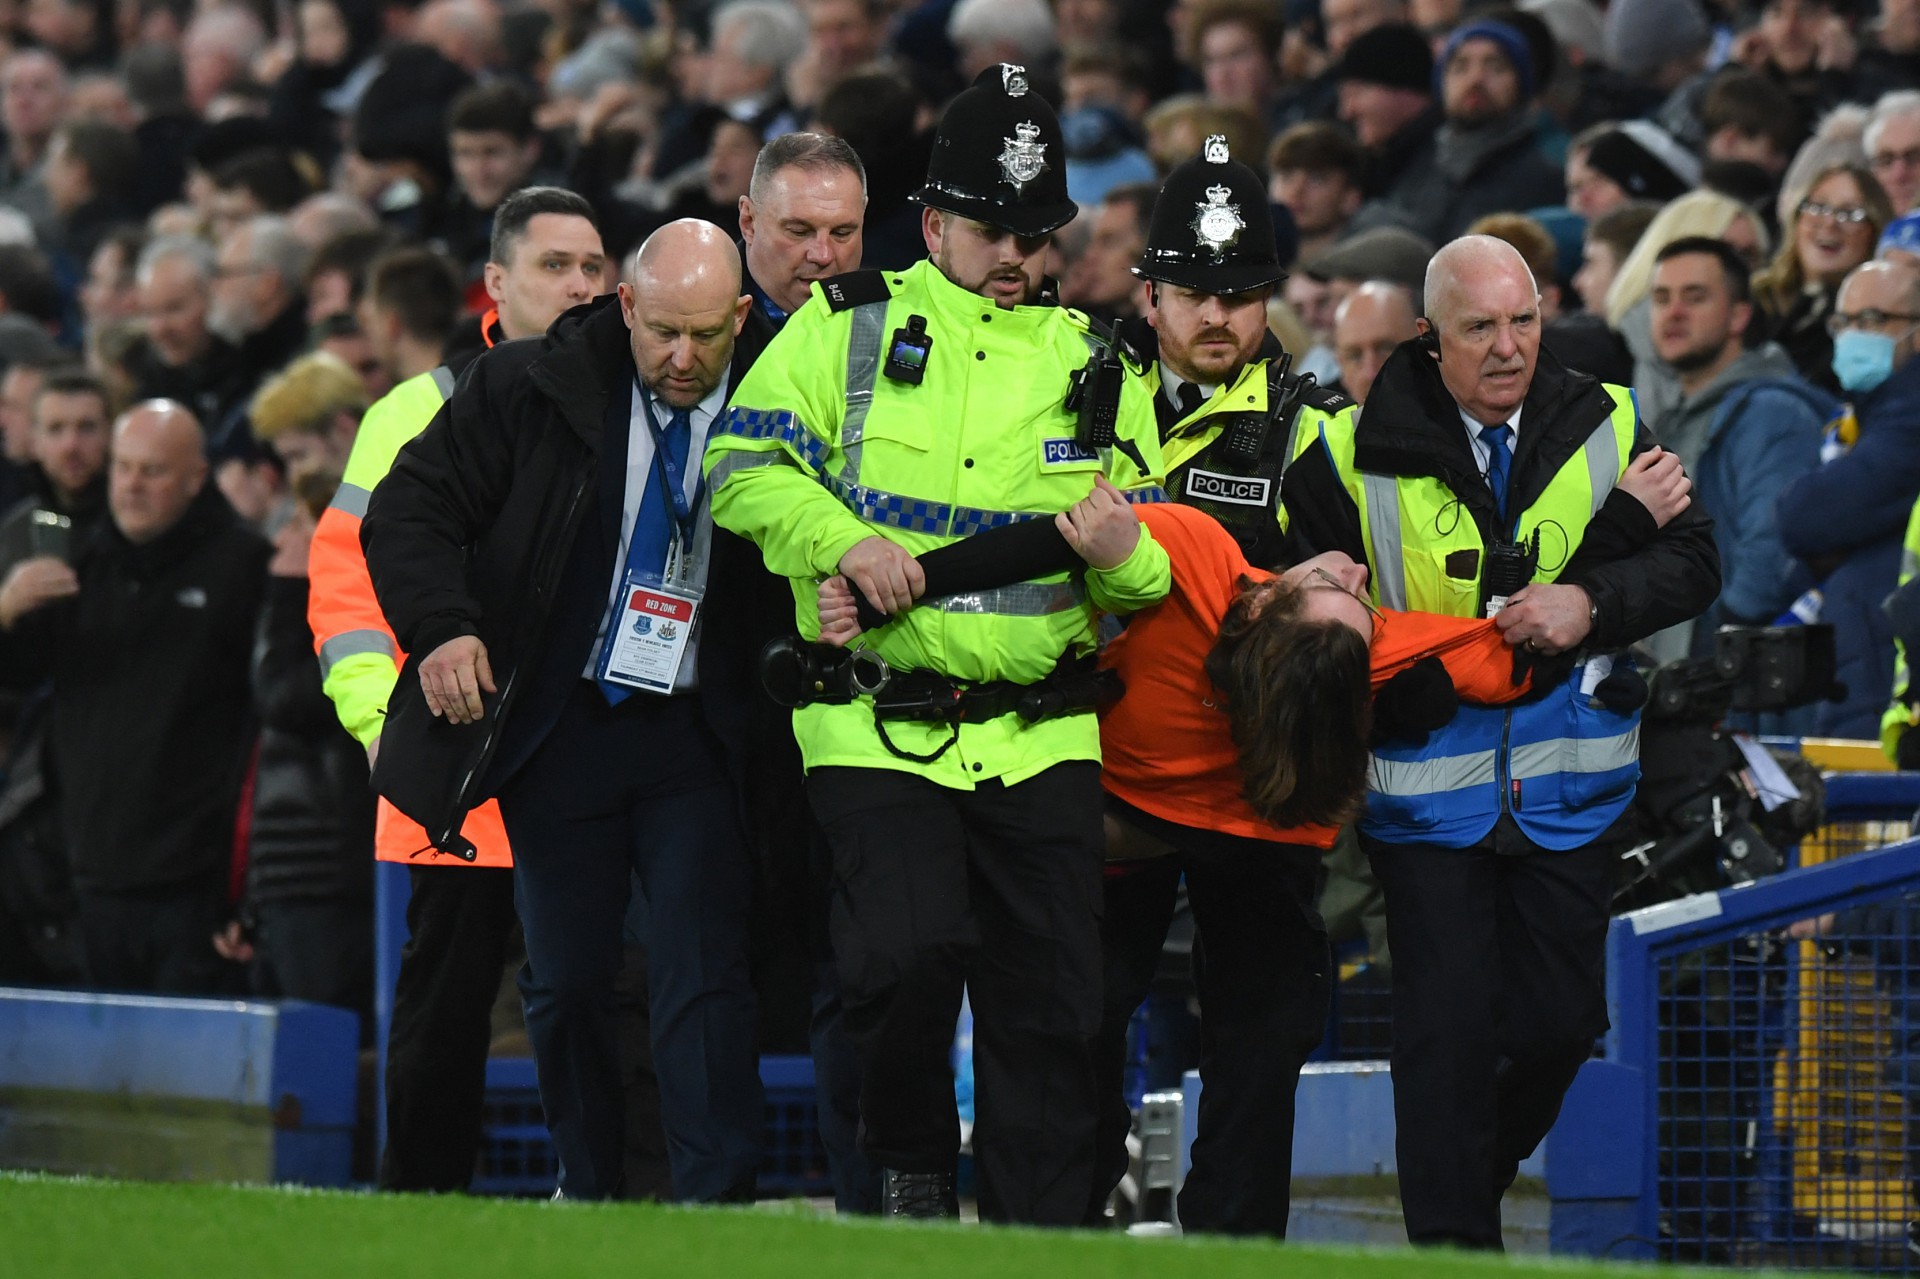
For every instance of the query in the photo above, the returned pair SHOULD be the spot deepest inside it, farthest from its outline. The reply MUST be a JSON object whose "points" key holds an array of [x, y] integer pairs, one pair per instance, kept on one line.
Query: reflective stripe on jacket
{"points": [[1564, 767], [359, 658], [821, 449]]}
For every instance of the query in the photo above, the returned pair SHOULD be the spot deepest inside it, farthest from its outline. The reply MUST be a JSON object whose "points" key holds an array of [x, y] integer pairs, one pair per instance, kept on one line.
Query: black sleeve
{"points": [[1672, 577], [445, 488], [286, 678], [998, 557], [1321, 517], [29, 652]]}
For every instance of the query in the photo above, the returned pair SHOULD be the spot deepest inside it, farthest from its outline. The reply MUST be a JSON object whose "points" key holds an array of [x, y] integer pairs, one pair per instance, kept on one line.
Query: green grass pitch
{"points": [[54, 1227]]}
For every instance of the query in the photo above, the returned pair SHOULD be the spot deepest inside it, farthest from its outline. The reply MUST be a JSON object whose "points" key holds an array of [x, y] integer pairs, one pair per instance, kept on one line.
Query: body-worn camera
{"points": [[1509, 566], [908, 352]]}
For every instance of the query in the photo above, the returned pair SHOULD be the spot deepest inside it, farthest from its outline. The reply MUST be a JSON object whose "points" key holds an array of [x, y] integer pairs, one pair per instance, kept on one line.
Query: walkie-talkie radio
{"points": [[1244, 439], [1094, 393], [1509, 566]]}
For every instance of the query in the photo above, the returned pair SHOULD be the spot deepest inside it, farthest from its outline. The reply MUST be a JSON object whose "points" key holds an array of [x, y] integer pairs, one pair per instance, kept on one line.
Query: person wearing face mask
{"points": [[1238, 746], [1844, 521]]}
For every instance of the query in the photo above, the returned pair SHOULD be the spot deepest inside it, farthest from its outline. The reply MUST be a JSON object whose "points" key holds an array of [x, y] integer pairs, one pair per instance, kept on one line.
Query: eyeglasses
{"points": [[1850, 215], [1839, 322], [1335, 583], [1887, 159]]}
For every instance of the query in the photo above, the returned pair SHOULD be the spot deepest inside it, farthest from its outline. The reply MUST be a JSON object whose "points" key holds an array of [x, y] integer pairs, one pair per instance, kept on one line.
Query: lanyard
{"points": [[667, 470]]}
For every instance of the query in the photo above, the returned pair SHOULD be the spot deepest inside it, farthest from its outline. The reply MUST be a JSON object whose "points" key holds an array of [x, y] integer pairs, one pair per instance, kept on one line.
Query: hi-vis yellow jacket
{"points": [[821, 449]]}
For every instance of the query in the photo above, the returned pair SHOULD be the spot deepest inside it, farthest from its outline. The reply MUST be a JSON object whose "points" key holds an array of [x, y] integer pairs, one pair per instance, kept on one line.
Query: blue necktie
{"points": [[652, 533], [1499, 464]]}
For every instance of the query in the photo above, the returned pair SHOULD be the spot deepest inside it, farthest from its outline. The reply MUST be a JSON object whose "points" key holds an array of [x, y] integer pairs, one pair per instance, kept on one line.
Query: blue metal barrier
{"points": [[1766, 1073], [160, 1088]]}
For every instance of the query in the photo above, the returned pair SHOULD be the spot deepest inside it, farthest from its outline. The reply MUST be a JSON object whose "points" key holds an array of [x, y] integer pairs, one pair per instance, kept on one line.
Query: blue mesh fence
{"points": [[1775, 1029]]}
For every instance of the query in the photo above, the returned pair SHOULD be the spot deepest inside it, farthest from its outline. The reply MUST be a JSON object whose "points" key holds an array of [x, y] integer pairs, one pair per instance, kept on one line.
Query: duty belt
{"points": [[796, 674]]}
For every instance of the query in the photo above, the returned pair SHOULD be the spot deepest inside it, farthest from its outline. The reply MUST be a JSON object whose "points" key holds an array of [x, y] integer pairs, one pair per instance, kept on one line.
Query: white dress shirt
{"points": [[642, 487]]}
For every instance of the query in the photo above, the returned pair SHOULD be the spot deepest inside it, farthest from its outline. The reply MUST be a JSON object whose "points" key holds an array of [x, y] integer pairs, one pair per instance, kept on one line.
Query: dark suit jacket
{"points": [[494, 522]]}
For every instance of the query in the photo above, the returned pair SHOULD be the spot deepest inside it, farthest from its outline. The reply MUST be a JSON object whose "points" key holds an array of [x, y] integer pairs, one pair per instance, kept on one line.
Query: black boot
{"points": [[918, 1194]]}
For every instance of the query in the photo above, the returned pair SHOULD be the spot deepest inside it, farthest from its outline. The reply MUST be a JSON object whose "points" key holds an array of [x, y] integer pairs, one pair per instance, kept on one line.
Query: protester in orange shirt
{"points": [[1238, 747]]}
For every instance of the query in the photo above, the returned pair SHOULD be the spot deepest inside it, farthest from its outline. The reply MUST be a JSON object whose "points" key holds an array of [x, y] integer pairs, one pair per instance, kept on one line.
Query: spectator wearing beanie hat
{"points": [[1484, 158], [1619, 164], [1386, 97], [1663, 42]]}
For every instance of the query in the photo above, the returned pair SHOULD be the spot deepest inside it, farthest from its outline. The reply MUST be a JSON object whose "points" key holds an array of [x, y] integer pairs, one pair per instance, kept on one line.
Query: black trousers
{"points": [[836, 1062], [159, 940], [318, 949], [996, 889], [1261, 967], [614, 791], [1499, 990], [458, 922]]}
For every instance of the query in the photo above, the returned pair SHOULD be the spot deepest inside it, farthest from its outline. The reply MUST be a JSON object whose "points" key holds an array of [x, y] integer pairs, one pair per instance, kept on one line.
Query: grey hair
{"points": [[231, 28], [773, 33], [192, 250], [273, 244], [1026, 24], [814, 152], [1889, 108]]}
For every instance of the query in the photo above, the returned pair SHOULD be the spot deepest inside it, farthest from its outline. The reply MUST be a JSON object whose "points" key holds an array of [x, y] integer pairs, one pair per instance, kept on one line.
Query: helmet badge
{"points": [[1025, 157], [1218, 224]]}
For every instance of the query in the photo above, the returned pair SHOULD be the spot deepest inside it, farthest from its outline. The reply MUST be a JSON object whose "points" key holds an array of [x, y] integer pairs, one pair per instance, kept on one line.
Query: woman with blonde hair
{"points": [[1706, 213], [1834, 229]]}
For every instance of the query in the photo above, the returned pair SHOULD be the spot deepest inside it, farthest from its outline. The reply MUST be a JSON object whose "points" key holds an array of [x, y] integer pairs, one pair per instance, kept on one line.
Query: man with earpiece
{"points": [[1465, 489]]}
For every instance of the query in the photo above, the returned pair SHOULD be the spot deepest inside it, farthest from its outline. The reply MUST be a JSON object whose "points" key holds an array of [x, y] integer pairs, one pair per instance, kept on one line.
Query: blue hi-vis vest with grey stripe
{"points": [[1562, 765]]}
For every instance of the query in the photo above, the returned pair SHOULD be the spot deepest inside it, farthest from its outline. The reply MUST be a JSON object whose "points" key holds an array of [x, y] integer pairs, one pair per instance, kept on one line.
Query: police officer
{"points": [[1225, 410], [897, 413], [1226, 414], [1490, 837]]}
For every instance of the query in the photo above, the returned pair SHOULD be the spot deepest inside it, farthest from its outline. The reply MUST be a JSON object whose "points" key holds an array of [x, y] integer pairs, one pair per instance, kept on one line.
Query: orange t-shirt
{"points": [[1168, 752]]}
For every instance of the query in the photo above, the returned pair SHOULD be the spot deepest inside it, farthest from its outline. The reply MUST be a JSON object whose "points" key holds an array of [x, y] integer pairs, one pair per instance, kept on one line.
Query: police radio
{"points": [[1094, 394], [1244, 439], [1509, 566], [907, 354]]}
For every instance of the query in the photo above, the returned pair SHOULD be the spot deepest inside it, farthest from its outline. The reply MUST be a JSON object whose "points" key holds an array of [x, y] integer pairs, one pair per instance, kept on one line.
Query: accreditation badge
{"points": [[649, 637]]}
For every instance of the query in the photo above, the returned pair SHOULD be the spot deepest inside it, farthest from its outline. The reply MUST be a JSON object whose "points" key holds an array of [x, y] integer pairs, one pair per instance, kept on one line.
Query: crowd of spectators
{"points": [[227, 228]]}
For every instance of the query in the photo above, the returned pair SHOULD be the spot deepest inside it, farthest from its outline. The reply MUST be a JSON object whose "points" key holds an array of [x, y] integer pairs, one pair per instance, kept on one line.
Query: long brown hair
{"points": [[1296, 693], [1777, 285]]}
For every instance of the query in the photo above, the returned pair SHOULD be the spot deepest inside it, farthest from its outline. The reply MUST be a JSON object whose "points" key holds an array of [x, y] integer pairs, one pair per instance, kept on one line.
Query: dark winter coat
{"points": [[152, 712]]}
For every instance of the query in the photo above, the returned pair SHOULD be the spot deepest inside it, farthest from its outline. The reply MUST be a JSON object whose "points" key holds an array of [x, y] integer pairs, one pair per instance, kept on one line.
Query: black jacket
{"points": [[1412, 426], [152, 714], [471, 533], [215, 386], [1466, 174], [312, 811]]}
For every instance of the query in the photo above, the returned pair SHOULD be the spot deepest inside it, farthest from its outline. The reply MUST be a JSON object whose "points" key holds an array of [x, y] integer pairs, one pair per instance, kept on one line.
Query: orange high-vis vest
{"points": [[359, 659]]}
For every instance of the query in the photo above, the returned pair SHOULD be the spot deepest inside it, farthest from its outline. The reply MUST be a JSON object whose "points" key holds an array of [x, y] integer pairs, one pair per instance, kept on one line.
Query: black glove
{"points": [[1413, 704], [1547, 669], [1623, 691], [1906, 751]]}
